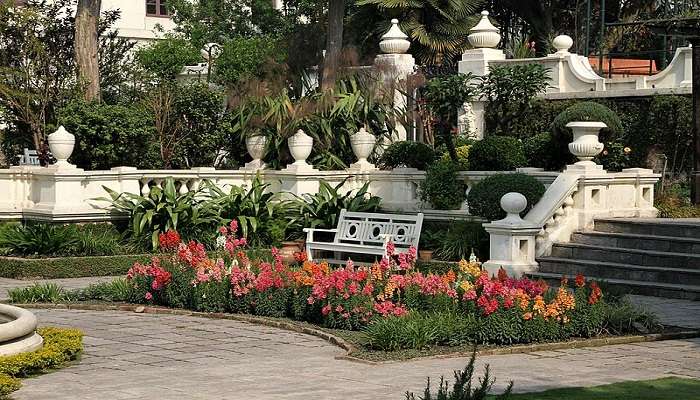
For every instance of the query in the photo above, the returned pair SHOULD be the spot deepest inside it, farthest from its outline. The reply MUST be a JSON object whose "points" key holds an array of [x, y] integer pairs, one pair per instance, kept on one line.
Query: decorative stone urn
{"points": [[61, 144], [362, 143], [256, 146], [484, 34], [300, 145], [586, 145], [394, 41]]}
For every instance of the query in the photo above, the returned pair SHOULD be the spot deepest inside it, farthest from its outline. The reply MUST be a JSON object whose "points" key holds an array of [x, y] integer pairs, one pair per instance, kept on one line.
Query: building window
{"points": [[157, 8]]}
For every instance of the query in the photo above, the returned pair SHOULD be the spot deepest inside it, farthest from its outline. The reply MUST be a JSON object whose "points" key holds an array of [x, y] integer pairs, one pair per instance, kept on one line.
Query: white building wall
{"points": [[134, 23]]}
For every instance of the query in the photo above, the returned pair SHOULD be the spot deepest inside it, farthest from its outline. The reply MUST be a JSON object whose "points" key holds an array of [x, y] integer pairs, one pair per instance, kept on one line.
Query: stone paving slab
{"points": [[677, 312], [148, 356]]}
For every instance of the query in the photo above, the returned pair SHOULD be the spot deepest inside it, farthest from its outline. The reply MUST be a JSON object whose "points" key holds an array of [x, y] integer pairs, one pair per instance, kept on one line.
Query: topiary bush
{"points": [[485, 197], [497, 153], [408, 154], [587, 111], [441, 186]]}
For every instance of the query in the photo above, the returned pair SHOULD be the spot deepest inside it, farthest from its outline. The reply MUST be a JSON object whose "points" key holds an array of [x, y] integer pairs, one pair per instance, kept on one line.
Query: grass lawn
{"points": [[657, 389]]}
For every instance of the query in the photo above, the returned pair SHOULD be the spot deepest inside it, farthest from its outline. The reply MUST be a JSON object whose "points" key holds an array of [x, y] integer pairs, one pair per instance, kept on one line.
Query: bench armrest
{"points": [[310, 232]]}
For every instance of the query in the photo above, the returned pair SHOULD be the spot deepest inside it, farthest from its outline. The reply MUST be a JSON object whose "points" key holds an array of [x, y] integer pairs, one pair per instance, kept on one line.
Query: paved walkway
{"points": [[148, 356]]}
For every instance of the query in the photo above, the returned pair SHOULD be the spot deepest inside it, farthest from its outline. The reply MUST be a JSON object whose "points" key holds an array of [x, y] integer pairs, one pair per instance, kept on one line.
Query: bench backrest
{"points": [[368, 228]]}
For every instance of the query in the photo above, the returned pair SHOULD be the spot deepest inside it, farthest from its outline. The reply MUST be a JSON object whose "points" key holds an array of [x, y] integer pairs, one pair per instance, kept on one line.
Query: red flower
{"points": [[169, 240], [580, 280], [502, 274]]}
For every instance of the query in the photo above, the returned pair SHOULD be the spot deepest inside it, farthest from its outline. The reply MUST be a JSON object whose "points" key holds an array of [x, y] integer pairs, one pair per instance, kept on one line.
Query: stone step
{"points": [[687, 292], [640, 242], [611, 270], [683, 228], [626, 256]]}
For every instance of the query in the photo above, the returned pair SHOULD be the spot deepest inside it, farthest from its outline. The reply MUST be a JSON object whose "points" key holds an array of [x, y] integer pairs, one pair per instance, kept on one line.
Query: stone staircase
{"points": [[655, 257]]}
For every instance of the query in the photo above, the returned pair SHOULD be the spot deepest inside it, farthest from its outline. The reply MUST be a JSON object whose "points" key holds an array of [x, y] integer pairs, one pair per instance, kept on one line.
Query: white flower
{"points": [[220, 241], [204, 295]]}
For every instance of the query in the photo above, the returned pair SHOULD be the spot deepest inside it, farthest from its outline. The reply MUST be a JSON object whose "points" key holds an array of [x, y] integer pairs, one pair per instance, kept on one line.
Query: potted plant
{"points": [[429, 241]]}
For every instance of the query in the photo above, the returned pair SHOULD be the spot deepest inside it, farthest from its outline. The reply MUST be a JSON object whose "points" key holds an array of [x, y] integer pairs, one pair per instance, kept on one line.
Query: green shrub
{"points": [[510, 91], [462, 157], [623, 317], [8, 385], [68, 267], [461, 238], [164, 209], [165, 58], [462, 388], [661, 124], [40, 238], [542, 151], [586, 111], [485, 197], [407, 154], [38, 293], [442, 187], [60, 345], [322, 209], [109, 135], [243, 58], [46, 239], [117, 290], [201, 112], [262, 217], [497, 153]]}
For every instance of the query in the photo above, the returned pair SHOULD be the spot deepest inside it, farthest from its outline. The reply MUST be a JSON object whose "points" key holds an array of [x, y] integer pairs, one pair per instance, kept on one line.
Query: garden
{"points": [[391, 309]]}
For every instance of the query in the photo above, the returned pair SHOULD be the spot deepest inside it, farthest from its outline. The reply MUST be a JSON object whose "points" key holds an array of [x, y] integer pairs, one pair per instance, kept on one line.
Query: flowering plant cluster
{"points": [[349, 297]]}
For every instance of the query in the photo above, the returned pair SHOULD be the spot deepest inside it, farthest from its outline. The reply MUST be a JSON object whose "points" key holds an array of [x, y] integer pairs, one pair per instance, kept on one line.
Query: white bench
{"points": [[368, 233]]}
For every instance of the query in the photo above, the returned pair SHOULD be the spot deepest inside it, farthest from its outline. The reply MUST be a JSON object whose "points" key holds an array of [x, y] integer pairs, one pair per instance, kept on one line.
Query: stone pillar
{"points": [[394, 66], [484, 37], [512, 239]]}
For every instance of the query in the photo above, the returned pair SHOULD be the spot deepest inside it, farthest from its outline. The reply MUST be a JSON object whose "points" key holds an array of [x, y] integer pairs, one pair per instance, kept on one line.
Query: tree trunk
{"points": [[87, 47], [334, 43]]}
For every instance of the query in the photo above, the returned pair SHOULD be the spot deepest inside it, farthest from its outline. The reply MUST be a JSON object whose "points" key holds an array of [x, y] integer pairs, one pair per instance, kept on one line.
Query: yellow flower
{"points": [[466, 286], [471, 268], [627, 150]]}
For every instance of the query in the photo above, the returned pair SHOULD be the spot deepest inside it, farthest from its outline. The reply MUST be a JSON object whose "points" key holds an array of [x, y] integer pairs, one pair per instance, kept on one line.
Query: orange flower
{"points": [[449, 277], [564, 280], [596, 293], [538, 306], [527, 316], [377, 273]]}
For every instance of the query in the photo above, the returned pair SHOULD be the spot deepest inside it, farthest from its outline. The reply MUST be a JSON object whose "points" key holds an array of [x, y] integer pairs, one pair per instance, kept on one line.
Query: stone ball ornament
{"points": [[513, 203], [562, 43]]}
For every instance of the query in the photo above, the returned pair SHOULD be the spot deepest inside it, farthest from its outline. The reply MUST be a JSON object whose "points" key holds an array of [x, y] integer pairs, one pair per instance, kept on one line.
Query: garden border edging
{"points": [[350, 348]]}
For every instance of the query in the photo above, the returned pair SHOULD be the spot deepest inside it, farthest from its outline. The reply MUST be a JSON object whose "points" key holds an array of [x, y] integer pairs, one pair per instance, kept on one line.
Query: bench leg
{"points": [[309, 253]]}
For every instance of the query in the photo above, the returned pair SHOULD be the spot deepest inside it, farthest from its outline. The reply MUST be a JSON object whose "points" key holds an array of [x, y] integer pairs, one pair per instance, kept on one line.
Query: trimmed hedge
{"points": [[497, 153], [60, 346], [68, 267], [662, 122], [485, 197]]}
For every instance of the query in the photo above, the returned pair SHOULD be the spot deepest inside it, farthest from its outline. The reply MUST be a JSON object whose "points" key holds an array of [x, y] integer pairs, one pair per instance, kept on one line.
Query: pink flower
{"points": [[148, 296]]}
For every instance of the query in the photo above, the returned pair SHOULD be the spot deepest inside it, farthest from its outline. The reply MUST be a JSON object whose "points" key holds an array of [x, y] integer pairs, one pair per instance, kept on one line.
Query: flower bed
{"points": [[397, 306], [60, 346]]}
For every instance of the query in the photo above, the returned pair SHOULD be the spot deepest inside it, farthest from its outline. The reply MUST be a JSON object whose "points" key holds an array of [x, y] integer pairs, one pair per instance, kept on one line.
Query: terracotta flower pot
{"points": [[425, 255]]}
